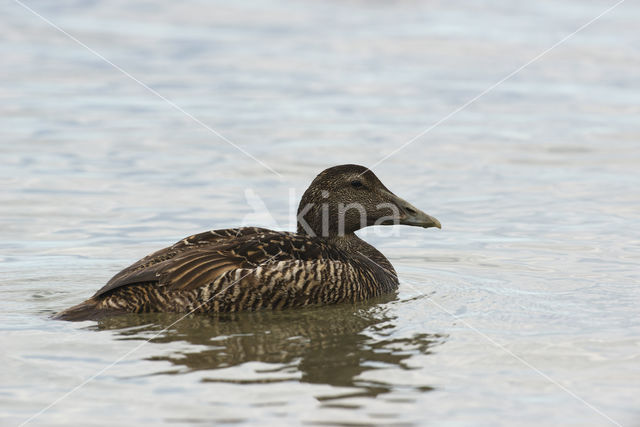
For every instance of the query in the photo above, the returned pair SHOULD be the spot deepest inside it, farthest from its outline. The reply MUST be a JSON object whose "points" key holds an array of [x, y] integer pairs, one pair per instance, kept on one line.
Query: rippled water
{"points": [[523, 310]]}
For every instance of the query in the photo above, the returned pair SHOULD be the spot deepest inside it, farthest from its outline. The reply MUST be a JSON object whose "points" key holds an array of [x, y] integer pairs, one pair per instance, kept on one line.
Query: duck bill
{"points": [[410, 215], [421, 219]]}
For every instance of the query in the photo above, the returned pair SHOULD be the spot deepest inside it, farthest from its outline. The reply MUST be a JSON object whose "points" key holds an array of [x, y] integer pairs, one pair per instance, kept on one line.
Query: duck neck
{"points": [[352, 244], [322, 220]]}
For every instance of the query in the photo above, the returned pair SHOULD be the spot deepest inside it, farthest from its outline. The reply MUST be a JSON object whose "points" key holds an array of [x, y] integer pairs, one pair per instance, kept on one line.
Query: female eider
{"points": [[248, 269]]}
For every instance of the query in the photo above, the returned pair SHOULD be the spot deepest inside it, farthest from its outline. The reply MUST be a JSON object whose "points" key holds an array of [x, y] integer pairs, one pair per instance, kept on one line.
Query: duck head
{"points": [[346, 198]]}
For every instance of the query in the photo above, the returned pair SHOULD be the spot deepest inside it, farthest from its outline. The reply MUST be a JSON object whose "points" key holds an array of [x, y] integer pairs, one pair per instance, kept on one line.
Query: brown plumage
{"points": [[248, 269]]}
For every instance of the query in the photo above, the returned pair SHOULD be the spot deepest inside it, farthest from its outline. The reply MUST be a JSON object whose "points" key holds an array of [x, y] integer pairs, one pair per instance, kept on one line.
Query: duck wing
{"points": [[199, 259]]}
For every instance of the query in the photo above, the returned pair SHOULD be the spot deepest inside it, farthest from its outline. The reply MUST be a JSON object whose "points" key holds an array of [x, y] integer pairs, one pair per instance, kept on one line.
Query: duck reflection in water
{"points": [[330, 345]]}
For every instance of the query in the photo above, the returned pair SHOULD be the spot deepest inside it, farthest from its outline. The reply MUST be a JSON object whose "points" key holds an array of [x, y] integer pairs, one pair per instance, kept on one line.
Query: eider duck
{"points": [[250, 268]]}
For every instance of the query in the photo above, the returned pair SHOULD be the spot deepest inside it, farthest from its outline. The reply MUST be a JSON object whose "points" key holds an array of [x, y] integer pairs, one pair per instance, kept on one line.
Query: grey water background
{"points": [[525, 303]]}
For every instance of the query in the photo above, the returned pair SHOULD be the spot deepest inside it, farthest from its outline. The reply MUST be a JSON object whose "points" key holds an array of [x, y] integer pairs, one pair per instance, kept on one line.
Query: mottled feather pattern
{"points": [[244, 269]]}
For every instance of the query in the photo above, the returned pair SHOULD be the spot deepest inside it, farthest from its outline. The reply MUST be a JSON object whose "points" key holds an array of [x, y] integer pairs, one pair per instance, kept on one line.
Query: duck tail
{"points": [[87, 310]]}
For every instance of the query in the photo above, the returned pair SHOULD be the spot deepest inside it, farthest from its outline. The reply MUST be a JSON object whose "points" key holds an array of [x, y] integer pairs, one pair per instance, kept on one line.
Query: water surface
{"points": [[523, 310]]}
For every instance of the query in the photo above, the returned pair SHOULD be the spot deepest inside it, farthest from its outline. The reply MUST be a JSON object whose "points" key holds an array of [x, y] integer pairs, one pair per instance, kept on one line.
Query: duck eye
{"points": [[356, 183]]}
